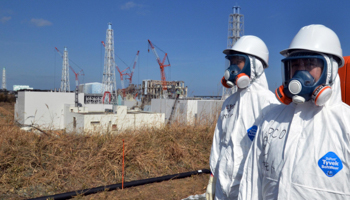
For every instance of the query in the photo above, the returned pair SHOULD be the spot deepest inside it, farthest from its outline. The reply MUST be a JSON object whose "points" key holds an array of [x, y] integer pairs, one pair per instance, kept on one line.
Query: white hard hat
{"points": [[251, 45], [317, 38]]}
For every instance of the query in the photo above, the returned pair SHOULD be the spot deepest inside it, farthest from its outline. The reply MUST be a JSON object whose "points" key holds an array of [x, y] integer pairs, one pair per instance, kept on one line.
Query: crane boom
{"points": [[133, 68], [161, 66], [122, 79], [59, 52], [76, 77], [154, 51]]}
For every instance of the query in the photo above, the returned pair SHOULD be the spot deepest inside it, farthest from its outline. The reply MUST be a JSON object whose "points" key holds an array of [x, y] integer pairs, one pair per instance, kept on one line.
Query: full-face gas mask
{"points": [[304, 78], [238, 72]]}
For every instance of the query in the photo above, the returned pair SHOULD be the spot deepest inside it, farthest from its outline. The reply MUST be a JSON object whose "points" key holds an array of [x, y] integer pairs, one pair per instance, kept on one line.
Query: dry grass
{"points": [[33, 165]]}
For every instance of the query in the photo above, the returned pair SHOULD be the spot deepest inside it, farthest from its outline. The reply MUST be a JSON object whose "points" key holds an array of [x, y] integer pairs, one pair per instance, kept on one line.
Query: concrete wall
{"points": [[19, 108], [188, 111], [98, 107], [121, 121], [162, 106], [148, 120], [98, 123], [73, 121], [130, 104], [43, 109], [208, 110], [191, 111], [185, 111]]}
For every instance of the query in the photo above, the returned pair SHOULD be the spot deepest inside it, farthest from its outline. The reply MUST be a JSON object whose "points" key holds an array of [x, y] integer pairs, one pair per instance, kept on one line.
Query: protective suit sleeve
{"points": [[210, 193], [251, 182], [215, 148]]}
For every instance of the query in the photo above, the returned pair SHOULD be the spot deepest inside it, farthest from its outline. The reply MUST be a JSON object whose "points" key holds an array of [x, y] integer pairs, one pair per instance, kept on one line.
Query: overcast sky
{"points": [[192, 32]]}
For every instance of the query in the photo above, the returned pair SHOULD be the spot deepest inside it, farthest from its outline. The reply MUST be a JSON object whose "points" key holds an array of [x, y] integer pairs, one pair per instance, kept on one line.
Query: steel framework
{"points": [[80, 73], [92, 99], [65, 86], [235, 26], [4, 79], [109, 80], [235, 31]]}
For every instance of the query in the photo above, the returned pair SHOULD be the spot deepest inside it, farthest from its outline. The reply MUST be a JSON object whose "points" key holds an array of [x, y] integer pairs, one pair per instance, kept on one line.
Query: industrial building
{"points": [[91, 88], [21, 87], [154, 89], [57, 111], [101, 107]]}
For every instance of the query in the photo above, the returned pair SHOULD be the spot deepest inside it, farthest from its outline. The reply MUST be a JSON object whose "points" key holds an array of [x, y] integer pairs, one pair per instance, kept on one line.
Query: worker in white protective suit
{"points": [[302, 149], [234, 130]]}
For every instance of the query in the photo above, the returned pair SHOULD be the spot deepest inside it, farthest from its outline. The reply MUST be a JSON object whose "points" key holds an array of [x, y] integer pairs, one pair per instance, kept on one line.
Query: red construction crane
{"points": [[162, 66], [122, 74], [76, 76], [133, 68], [81, 72], [59, 52], [121, 78]]}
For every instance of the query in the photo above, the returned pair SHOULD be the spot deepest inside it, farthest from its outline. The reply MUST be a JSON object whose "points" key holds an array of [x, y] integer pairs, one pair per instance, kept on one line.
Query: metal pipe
{"points": [[69, 195]]}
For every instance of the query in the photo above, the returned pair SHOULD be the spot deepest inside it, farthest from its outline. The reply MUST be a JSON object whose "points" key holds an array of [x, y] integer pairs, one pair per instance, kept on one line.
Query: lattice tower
{"points": [[235, 26], [109, 80], [4, 79], [235, 31], [65, 86]]}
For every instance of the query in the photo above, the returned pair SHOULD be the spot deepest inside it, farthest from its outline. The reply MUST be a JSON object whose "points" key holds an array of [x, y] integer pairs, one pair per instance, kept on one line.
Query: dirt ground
{"points": [[172, 189]]}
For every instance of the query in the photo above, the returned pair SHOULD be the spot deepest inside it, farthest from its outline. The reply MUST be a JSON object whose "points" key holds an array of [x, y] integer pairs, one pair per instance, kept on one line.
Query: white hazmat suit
{"points": [[302, 151], [234, 132]]}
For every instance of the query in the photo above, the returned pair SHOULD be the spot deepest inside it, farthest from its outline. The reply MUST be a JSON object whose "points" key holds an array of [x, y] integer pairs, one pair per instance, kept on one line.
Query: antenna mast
{"points": [[108, 80], [65, 86]]}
